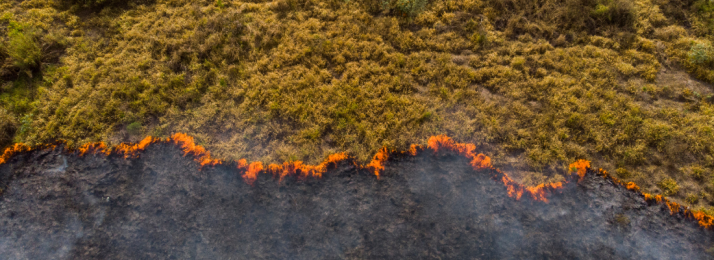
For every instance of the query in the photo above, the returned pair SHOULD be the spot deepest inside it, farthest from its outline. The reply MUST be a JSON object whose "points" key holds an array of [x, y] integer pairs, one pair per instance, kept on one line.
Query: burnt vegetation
{"points": [[162, 204], [535, 84]]}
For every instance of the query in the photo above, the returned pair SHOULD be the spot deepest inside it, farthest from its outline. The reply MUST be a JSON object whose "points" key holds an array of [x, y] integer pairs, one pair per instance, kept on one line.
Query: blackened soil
{"points": [[57, 205]]}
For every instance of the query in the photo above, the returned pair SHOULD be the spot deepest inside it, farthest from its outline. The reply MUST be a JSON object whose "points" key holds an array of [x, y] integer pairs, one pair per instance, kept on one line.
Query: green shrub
{"points": [[669, 186], [700, 54], [25, 124], [134, 128], [22, 47]]}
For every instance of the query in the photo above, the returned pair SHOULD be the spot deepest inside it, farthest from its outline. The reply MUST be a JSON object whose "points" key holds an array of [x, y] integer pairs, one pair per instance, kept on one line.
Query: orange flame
{"points": [[377, 162], [702, 218], [481, 162], [413, 149], [632, 186], [581, 166], [15, 149], [131, 150], [93, 147], [251, 170], [189, 147]]}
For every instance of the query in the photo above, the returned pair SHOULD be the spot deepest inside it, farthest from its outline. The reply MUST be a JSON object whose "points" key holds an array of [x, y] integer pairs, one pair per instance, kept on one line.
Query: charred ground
{"points": [[161, 205]]}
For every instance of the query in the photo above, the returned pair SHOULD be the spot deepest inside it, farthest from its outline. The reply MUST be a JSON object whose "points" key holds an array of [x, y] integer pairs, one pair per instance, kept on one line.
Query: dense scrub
{"points": [[535, 84]]}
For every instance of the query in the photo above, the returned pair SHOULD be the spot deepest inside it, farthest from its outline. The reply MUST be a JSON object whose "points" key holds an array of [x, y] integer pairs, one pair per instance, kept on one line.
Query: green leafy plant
{"points": [[700, 54], [25, 124]]}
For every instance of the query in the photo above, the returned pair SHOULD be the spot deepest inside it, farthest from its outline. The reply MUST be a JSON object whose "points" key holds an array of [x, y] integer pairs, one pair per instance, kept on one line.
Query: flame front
{"points": [[10, 151], [301, 170], [377, 162], [482, 162]]}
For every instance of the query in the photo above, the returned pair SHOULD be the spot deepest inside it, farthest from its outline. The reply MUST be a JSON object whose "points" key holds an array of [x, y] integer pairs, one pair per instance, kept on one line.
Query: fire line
{"points": [[299, 169]]}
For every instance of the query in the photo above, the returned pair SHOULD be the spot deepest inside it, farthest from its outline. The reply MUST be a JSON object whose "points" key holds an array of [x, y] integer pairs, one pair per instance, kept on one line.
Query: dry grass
{"points": [[535, 84]]}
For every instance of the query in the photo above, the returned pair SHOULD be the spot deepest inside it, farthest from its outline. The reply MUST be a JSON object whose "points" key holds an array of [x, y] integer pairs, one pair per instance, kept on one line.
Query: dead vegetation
{"points": [[535, 84]]}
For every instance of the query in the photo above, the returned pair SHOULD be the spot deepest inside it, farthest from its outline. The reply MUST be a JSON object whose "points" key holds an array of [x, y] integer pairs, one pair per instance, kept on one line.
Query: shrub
{"points": [[402, 7], [669, 186], [618, 12], [697, 172], [134, 128], [601, 10], [700, 54], [518, 62], [22, 47], [411, 7], [623, 173], [692, 199]]}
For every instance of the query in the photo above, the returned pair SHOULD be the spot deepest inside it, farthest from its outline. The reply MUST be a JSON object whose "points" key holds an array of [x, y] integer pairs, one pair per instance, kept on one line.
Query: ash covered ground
{"points": [[58, 205]]}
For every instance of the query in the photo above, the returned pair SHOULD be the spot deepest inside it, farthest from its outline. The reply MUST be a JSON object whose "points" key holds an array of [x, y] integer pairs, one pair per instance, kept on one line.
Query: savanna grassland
{"points": [[536, 84]]}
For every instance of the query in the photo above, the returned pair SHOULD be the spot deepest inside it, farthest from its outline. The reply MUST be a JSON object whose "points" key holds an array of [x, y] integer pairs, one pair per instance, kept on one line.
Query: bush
{"points": [[401, 7], [697, 172], [134, 128], [618, 12], [692, 199], [410, 7], [700, 54], [669, 186], [22, 47], [623, 173]]}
